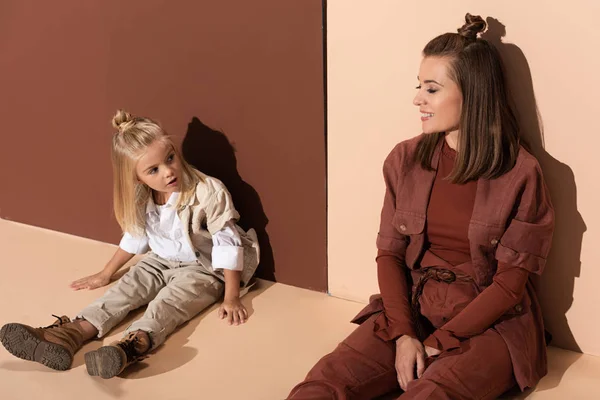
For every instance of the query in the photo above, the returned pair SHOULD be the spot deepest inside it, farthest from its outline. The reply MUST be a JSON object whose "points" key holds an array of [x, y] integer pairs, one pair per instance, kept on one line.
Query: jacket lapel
{"points": [[416, 186]]}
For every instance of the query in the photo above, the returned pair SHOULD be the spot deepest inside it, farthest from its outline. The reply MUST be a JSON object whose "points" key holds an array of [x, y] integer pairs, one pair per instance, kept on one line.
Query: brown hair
{"points": [[488, 139]]}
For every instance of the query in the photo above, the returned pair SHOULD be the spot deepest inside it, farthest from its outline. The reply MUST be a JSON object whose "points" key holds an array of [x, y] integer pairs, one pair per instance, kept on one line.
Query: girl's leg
{"points": [[88, 331], [136, 288], [52, 346], [189, 291]]}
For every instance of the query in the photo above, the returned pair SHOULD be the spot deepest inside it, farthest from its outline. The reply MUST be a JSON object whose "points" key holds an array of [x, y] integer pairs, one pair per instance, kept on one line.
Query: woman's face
{"points": [[439, 98]]}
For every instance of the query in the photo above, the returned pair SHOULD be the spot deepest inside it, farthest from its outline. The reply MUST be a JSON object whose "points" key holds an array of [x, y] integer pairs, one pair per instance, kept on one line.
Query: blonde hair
{"points": [[134, 135]]}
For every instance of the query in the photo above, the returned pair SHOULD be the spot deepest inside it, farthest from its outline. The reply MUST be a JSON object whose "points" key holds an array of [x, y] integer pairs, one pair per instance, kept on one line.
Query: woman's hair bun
{"points": [[474, 24]]}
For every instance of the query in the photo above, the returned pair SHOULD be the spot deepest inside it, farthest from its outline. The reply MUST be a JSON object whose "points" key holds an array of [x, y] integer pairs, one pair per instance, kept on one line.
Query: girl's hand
{"points": [[234, 311], [409, 354], [91, 282], [431, 352]]}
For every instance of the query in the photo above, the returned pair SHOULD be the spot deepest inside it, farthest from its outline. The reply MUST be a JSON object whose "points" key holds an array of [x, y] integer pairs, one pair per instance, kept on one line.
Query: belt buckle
{"points": [[441, 274]]}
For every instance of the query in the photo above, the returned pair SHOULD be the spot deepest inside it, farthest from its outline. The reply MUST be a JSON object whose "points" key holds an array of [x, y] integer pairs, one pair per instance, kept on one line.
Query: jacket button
{"points": [[402, 227], [518, 308], [197, 254], [494, 242]]}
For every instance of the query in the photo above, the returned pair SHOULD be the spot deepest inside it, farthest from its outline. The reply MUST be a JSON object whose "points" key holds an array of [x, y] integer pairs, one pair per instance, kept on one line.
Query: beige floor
{"points": [[288, 331]]}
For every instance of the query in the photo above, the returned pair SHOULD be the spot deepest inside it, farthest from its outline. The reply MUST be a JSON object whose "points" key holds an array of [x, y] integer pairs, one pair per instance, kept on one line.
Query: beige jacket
{"points": [[206, 213]]}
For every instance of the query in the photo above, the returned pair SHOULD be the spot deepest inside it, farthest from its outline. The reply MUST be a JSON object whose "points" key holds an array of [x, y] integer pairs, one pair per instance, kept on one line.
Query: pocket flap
{"points": [[485, 235], [408, 223]]}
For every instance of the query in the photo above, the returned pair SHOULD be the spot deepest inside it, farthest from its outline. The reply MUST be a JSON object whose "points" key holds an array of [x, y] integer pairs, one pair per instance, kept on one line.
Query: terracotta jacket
{"points": [[511, 225]]}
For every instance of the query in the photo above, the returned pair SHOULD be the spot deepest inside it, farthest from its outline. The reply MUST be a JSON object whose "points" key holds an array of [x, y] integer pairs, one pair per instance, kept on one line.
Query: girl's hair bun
{"points": [[121, 119]]}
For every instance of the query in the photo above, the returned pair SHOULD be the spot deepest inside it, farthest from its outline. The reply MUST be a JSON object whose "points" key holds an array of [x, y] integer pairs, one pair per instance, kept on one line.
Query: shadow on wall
{"points": [[211, 152], [555, 287]]}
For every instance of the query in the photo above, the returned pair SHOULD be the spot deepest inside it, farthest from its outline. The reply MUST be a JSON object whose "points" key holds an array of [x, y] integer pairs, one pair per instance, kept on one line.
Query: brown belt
{"points": [[437, 274]]}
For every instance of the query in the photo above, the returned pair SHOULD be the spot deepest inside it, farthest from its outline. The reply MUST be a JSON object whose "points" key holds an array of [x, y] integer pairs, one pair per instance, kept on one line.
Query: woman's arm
{"points": [[522, 251], [393, 286], [503, 294], [391, 268]]}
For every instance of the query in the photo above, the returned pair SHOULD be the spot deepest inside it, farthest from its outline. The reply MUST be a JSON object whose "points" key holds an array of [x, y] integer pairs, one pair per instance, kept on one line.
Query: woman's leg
{"points": [[481, 369], [361, 367]]}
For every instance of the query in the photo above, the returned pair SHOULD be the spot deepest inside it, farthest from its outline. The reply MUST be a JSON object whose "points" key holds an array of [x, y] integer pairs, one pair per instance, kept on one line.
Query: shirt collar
{"points": [[171, 202]]}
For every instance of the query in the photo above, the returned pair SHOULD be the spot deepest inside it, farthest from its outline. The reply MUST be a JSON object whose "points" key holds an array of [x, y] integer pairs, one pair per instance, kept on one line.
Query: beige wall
{"points": [[373, 57]]}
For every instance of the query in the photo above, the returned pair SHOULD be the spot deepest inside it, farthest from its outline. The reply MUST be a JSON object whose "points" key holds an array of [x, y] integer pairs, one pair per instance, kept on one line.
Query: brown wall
{"points": [[252, 71]]}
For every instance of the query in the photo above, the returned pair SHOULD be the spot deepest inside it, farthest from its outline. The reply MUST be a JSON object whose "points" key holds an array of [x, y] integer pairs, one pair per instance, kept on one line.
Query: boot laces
{"points": [[59, 321], [129, 347]]}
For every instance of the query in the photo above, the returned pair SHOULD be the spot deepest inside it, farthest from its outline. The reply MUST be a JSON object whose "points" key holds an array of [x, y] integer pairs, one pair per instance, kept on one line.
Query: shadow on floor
{"points": [[175, 352]]}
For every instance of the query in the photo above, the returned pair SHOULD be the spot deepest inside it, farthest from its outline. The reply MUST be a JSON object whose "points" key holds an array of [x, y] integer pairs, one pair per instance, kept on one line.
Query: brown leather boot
{"points": [[52, 346], [109, 361]]}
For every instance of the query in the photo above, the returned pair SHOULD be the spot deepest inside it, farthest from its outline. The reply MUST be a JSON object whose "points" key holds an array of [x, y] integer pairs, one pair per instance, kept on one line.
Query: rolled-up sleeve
{"points": [[227, 251], [134, 244], [219, 211]]}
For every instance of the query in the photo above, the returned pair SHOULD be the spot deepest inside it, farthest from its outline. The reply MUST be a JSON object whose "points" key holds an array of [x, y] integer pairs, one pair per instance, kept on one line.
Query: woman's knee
{"points": [[318, 389]]}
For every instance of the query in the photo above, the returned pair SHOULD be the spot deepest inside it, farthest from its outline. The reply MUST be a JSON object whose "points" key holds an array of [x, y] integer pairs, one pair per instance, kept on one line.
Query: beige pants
{"points": [[175, 292]]}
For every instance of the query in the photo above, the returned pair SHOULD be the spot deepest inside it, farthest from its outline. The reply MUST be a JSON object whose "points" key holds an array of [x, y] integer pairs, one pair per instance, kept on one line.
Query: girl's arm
{"points": [[102, 278], [228, 255], [128, 247], [232, 308], [232, 285], [118, 260]]}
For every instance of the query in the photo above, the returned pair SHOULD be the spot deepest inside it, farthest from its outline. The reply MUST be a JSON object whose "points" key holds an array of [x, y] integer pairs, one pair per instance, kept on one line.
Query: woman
{"points": [[466, 222]]}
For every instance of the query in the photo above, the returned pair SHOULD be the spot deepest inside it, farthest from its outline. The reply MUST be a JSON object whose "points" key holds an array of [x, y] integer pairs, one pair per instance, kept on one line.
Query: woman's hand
{"points": [[409, 352], [91, 282], [234, 311]]}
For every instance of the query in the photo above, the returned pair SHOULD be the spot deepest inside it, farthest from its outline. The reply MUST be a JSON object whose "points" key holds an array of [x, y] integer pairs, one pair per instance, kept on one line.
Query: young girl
{"points": [[197, 253], [466, 222]]}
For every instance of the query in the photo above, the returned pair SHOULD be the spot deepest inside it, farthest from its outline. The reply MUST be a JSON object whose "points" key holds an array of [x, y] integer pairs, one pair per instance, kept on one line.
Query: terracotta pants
{"points": [[362, 367]]}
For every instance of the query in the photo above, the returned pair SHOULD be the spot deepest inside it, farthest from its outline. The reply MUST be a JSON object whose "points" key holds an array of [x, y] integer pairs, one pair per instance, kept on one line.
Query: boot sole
{"points": [[20, 342], [105, 362]]}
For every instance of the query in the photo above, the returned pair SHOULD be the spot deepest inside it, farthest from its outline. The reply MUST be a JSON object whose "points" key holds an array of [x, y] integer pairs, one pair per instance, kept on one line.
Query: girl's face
{"points": [[439, 98], [160, 168]]}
